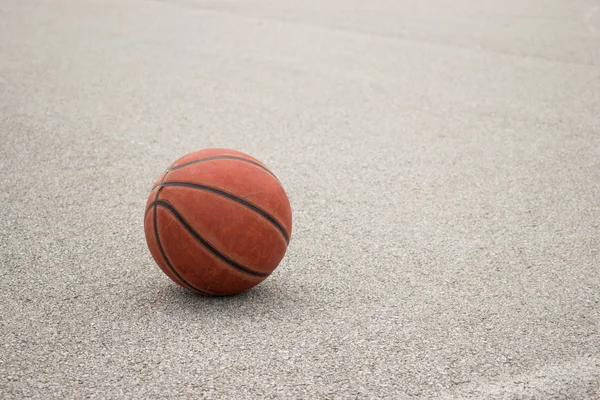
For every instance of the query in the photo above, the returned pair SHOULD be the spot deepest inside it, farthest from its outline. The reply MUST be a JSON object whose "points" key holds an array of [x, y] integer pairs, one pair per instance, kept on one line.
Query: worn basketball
{"points": [[217, 222]]}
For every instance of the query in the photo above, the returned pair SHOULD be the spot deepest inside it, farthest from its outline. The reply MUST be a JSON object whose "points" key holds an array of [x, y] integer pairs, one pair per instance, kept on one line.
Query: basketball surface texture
{"points": [[217, 222]]}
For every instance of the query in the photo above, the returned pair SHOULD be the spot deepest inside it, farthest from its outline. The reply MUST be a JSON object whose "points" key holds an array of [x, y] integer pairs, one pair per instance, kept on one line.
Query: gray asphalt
{"points": [[442, 159]]}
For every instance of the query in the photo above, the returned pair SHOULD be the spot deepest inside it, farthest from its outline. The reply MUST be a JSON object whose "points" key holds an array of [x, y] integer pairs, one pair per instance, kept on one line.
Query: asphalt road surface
{"points": [[442, 159]]}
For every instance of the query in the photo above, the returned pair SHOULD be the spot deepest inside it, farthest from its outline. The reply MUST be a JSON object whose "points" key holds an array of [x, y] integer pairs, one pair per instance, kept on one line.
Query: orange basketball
{"points": [[217, 222]]}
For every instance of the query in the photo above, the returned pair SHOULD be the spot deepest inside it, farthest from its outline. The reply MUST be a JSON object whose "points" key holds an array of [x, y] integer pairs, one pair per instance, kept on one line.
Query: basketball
{"points": [[217, 222]]}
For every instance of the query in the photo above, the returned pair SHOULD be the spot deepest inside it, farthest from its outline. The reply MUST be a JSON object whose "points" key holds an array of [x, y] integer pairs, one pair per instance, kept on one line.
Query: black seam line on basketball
{"points": [[162, 250], [218, 158], [207, 245], [173, 270], [239, 200], [158, 242], [201, 160]]}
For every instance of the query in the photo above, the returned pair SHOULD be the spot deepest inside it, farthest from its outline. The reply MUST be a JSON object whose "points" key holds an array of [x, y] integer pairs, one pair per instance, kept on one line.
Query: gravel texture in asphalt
{"points": [[442, 159]]}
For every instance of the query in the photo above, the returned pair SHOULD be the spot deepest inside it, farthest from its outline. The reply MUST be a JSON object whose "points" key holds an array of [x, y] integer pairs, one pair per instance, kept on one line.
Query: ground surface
{"points": [[442, 159]]}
